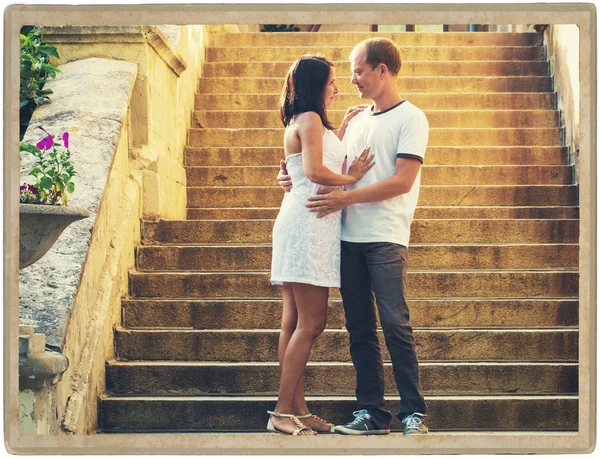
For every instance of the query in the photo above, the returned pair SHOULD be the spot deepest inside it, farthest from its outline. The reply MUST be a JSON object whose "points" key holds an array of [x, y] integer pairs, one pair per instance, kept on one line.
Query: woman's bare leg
{"points": [[311, 307], [289, 321]]}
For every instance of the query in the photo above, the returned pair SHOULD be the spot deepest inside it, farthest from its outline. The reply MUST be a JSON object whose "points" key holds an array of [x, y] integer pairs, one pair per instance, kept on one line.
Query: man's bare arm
{"points": [[401, 182]]}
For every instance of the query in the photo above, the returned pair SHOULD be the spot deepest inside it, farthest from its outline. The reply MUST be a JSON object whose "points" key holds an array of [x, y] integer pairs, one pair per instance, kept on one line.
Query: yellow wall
{"points": [[146, 181]]}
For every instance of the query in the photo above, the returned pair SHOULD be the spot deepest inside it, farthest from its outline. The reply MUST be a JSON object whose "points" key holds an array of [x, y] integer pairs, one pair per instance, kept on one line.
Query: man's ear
{"points": [[382, 69]]}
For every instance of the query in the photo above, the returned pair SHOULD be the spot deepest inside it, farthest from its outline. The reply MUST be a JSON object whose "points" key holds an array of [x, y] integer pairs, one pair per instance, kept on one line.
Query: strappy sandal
{"points": [[310, 415], [272, 428]]}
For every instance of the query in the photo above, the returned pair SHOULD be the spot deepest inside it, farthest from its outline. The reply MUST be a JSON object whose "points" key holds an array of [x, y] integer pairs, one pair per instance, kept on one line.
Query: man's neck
{"points": [[385, 100]]}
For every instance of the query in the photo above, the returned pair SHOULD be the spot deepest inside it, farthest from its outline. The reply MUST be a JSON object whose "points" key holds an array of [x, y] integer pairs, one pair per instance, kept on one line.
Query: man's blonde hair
{"points": [[380, 51]]}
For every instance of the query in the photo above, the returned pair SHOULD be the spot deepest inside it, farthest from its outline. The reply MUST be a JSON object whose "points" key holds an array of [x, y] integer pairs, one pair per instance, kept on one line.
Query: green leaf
{"points": [[48, 50], [50, 68], [70, 187], [28, 57], [30, 148], [46, 182], [35, 171]]}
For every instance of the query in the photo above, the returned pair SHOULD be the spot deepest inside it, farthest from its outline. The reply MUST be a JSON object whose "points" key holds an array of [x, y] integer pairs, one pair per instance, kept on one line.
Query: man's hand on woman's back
{"points": [[285, 181]]}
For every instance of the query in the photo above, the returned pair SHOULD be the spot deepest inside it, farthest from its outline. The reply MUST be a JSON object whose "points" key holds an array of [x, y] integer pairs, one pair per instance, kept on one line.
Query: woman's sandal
{"points": [[310, 415], [272, 428]]}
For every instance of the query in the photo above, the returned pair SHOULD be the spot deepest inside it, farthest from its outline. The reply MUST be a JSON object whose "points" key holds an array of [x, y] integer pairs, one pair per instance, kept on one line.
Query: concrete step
{"points": [[249, 414], [218, 137], [334, 378], [434, 231], [491, 119], [269, 84], [270, 213], [332, 345], [423, 100], [430, 175], [450, 195], [409, 39], [438, 257], [260, 314], [413, 68], [408, 53], [463, 284], [443, 156]]}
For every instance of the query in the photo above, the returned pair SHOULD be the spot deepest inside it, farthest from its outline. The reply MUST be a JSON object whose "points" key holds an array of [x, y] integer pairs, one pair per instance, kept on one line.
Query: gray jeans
{"points": [[375, 273]]}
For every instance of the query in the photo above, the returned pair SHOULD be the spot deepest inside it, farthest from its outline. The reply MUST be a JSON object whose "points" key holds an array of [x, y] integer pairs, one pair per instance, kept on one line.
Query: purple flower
{"points": [[28, 187], [46, 143], [65, 138]]}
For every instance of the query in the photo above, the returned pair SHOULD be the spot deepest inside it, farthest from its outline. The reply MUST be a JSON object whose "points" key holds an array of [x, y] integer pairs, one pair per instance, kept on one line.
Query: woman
{"points": [[306, 249]]}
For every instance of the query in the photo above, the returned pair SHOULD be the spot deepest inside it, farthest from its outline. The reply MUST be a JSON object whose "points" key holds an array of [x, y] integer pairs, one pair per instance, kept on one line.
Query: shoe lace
{"points": [[360, 416], [413, 421]]}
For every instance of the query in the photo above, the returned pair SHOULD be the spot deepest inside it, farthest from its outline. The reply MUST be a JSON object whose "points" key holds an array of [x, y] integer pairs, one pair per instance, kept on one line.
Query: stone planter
{"points": [[40, 226]]}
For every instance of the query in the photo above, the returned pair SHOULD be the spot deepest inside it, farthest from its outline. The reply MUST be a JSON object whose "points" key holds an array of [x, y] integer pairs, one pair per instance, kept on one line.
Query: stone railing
{"points": [[125, 94]]}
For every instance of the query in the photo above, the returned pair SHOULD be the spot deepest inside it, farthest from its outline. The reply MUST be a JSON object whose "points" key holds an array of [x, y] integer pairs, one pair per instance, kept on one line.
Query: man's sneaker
{"points": [[413, 424], [363, 424]]}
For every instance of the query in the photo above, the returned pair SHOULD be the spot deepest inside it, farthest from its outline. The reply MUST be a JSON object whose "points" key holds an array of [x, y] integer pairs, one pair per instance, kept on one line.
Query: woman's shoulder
{"points": [[307, 118]]}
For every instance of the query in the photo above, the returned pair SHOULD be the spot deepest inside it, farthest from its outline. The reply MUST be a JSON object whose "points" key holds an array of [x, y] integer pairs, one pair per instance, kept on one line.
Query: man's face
{"points": [[365, 78]]}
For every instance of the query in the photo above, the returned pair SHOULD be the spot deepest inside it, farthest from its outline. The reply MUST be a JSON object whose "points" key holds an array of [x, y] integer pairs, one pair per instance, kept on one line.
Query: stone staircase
{"points": [[493, 256]]}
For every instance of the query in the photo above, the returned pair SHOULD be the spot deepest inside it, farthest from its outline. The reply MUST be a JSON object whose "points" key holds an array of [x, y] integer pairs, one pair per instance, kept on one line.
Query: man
{"points": [[378, 211]]}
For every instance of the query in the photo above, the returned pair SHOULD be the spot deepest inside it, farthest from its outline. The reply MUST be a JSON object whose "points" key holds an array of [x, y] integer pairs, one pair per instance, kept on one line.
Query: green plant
{"points": [[279, 28], [53, 172], [35, 70]]}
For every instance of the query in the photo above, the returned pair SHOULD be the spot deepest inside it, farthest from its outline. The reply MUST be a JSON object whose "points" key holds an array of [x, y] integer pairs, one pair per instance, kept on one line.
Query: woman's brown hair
{"points": [[304, 87]]}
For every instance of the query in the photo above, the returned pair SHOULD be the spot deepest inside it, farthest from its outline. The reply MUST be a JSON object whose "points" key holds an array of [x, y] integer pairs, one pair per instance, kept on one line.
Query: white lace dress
{"points": [[306, 249]]}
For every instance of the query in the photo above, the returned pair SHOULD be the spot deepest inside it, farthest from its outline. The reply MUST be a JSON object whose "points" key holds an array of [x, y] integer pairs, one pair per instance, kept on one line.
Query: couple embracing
{"points": [[362, 250]]}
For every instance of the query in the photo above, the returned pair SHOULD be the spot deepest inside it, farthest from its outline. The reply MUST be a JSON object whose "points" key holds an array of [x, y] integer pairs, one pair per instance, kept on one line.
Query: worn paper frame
{"points": [[583, 15]]}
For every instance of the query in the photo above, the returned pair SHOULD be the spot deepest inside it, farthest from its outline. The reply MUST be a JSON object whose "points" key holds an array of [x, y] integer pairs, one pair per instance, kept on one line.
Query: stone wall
{"points": [[63, 295], [162, 90], [126, 95], [562, 42]]}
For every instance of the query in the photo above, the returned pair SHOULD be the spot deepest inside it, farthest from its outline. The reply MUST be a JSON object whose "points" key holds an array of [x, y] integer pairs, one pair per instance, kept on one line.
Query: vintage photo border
{"points": [[583, 15]]}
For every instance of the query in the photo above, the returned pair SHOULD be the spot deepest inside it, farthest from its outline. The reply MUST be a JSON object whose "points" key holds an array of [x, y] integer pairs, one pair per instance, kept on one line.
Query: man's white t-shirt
{"points": [[401, 131]]}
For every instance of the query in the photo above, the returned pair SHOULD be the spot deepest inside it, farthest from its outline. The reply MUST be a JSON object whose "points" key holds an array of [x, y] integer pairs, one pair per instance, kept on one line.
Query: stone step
{"points": [[338, 379], [408, 53], [423, 100], [260, 314], [352, 38], [422, 257], [434, 231], [218, 137], [491, 119], [412, 68], [268, 84], [443, 156], [332, 345], [249, 414], [460, 284], [430, 175], [270, 213], [450, 195]]}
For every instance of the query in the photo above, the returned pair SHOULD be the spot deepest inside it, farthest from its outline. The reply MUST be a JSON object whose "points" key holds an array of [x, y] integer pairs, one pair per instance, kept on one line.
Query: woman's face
{"points": [[330, 89]]}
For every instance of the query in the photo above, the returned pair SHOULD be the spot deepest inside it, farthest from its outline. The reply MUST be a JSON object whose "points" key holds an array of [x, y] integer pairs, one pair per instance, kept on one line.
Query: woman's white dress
{"points": [[306, 249]]}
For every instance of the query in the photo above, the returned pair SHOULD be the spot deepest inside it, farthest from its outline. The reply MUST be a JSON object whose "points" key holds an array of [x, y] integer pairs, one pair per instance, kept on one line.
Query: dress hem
{"points": [[279, 281]]}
